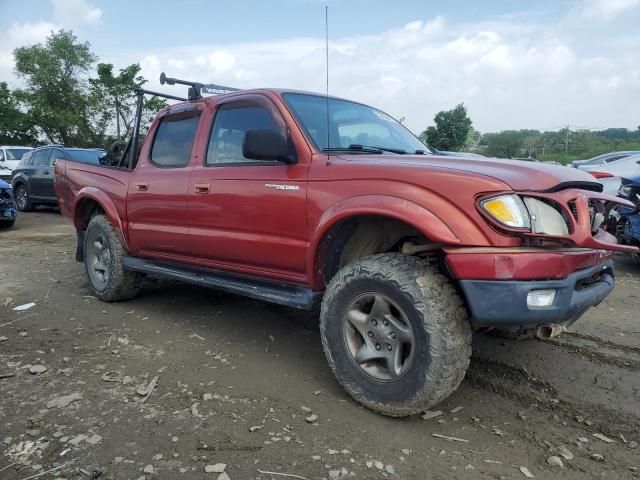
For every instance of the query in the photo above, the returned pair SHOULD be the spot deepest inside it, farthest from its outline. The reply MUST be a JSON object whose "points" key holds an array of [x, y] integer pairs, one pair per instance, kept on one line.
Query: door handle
{"points": [[202, 187], [142, 186]]}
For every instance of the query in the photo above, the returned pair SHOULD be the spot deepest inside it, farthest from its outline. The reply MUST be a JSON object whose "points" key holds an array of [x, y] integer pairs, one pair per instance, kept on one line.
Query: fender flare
{"points": [[101, 198], [419, 217]]}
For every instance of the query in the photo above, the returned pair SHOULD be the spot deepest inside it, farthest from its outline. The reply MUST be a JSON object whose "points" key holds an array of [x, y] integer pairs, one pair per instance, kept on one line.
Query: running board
{"points": [[294, 296]]}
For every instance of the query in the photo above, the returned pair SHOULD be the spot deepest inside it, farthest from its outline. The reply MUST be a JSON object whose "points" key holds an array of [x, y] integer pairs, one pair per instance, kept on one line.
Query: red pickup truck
{"points": [[265, 193]]}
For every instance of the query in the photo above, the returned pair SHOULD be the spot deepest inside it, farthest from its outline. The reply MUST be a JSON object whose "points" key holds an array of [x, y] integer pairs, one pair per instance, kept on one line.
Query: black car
{"points": [[32, 179]]}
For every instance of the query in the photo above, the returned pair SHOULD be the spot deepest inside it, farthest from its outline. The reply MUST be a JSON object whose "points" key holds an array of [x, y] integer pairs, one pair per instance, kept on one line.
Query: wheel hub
{"points": [[378, 336], [21, 198], [99, 258]]}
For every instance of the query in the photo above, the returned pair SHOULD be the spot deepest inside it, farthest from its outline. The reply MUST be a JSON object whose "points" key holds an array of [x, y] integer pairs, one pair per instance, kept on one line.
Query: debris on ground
{"points": [[145, 392], [428, 415], [217, 468], [37, 369], [555, 461], [26, 306], [64, 401]]}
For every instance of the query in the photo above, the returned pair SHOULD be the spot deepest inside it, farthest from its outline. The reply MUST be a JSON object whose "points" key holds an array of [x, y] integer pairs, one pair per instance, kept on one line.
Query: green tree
{"points": [[15, 126], [451, 130], [473, 138], [57, 97], [117, 92], [507, 144]]}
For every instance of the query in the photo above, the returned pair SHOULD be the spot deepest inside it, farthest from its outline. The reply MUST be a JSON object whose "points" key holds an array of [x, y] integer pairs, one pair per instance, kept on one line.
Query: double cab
{"points": [[318, 202]]}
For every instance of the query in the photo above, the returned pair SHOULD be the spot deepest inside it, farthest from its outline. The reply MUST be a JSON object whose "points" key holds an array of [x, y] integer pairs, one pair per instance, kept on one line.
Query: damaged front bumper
{"points": [[507, 303]]}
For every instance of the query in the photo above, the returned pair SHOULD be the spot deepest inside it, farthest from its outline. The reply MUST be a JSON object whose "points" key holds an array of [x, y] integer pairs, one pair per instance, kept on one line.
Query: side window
{"points": [[56, 153], [613, 159], [230, 125], [41, 158], [26, 159], [174, 139]]}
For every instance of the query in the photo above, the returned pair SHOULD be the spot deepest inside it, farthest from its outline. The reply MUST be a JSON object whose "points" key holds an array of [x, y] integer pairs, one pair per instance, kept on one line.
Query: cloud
{"points": [[607, 9], [510, 73], [19, 34], [75, 13], [514, 71], [69, 14]]}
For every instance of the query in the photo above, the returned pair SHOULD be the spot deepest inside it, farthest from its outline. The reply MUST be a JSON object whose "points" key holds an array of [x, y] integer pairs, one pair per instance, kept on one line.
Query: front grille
{"points": [[6, 177], [574, 209]]}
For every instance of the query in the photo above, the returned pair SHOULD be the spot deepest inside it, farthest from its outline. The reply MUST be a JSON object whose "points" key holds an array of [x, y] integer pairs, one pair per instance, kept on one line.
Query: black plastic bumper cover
{"points": [[504, 303]]}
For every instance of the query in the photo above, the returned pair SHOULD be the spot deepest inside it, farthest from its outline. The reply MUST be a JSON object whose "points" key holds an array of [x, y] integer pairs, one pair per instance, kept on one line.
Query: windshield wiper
{"points": [[354, 147]]}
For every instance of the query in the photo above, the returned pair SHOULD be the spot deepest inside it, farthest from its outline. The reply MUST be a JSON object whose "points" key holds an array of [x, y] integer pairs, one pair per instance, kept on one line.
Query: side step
{"points": [[294, 296]]}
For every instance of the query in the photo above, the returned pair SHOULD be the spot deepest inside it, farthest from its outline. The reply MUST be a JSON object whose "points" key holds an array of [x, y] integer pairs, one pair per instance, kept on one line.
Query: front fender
{"points": [[93, 194], [419, 217]]}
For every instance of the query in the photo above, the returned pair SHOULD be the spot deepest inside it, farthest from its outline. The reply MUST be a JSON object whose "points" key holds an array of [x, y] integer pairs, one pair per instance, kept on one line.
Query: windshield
{"points": [[16, 153], [350, 124], [86, 156]]}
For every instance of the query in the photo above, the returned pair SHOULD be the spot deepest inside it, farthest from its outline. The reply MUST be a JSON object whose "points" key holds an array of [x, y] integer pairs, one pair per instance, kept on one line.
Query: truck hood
{"points": [[519, 175]]}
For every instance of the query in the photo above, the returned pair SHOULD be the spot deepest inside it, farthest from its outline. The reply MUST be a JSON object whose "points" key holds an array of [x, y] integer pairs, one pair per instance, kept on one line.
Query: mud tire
{"points": [[121, 284], [437, 316]]}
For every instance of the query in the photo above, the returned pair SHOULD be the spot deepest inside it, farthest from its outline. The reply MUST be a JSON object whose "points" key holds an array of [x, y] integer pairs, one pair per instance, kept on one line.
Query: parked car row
{"points": [[610, 168], [32, 179], [26, 176]]}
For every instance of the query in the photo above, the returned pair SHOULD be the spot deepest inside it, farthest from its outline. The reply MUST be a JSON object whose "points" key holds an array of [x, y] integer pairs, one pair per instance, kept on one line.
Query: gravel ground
{"points": [[184, 382]]}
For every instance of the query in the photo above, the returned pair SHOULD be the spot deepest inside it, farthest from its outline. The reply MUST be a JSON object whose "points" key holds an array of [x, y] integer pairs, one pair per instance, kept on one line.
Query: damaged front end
{"points": [[564, 218], [562, 268]]}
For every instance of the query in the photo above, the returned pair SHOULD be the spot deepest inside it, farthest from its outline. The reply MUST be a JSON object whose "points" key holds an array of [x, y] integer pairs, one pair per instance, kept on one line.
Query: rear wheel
{"points": [[7, 223], [22, 199], [395, 333], [103, 253]]}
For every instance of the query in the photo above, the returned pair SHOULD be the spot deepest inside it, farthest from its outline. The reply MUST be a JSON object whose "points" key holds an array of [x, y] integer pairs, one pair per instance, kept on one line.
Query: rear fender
{"points": [[95, 195]]}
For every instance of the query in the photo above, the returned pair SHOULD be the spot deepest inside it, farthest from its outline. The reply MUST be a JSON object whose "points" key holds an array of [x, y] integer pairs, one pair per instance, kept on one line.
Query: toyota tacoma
{"points": [[313, 201]]}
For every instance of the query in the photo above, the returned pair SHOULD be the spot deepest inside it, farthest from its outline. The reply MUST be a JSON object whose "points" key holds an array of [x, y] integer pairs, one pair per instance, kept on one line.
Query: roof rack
{"points": [[196, 89], [195, 92]]}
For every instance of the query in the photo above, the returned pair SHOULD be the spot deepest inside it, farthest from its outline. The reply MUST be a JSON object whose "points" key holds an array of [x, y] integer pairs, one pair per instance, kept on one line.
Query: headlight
{"points": [[545, 219], [509, 210]]}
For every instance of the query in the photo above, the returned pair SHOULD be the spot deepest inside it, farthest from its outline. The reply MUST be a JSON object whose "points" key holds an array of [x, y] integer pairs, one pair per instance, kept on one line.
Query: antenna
{"points": [[326, 39]]}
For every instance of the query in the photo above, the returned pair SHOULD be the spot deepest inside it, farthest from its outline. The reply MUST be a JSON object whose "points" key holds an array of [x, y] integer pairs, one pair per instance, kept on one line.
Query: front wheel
{"points": [[7, 223], [103, 254], [23, 201], [395, 333]]}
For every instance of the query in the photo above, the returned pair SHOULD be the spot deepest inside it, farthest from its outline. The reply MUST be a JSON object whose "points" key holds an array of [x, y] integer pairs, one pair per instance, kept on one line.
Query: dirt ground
{"points": [[236, 380]]}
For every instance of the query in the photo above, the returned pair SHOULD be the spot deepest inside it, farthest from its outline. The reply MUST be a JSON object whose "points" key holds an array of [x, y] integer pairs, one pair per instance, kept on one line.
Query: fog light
{"points": [[540, 298]]}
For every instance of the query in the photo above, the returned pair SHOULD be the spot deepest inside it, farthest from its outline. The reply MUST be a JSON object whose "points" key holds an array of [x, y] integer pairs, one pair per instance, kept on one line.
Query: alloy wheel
{"points": [[378, 336]]}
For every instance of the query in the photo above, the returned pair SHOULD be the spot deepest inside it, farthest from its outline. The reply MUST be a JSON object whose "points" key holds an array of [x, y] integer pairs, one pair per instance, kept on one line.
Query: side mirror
{"points": [[638, 162], [266, 145]]}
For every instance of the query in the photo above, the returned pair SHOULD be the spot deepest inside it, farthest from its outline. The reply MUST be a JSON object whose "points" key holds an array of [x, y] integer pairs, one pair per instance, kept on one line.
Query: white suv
{"points": [[9, 159]]}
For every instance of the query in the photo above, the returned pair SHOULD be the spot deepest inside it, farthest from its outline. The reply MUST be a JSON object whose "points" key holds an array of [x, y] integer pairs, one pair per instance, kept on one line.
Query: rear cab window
{"points": [[173, 140], [85, 156]]}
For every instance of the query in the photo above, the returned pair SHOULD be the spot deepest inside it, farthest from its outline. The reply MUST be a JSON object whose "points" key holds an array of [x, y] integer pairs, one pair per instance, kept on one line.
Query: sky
{"points": [[514, 64]]}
